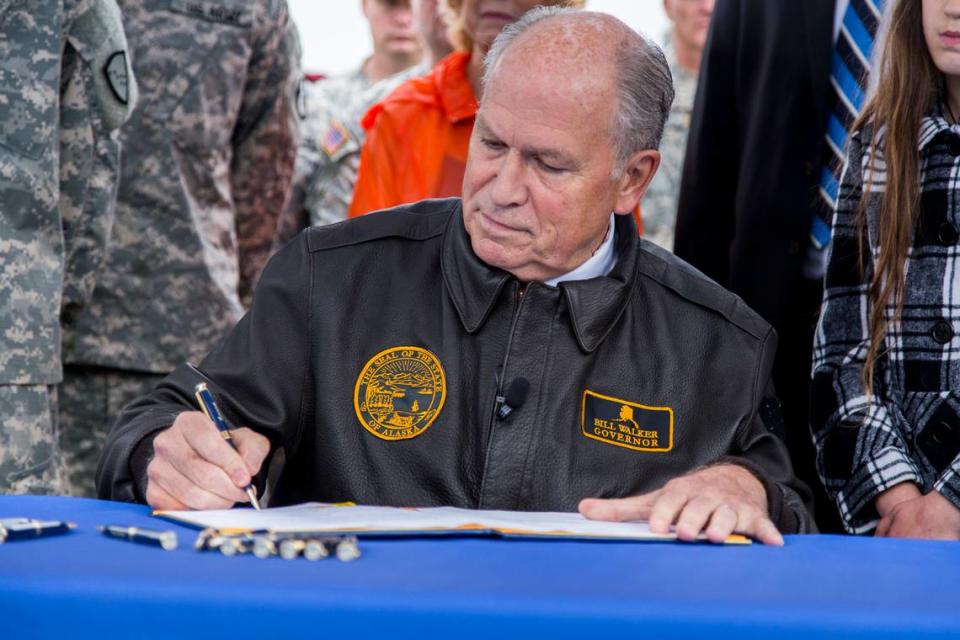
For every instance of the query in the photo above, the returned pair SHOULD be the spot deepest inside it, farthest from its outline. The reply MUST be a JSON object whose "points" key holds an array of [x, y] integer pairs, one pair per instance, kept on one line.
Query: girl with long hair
{"points": [[885, 399]]}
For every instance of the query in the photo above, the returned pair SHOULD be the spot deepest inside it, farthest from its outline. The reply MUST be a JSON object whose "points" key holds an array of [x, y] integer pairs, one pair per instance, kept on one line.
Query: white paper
{"points": [[319, 517]]}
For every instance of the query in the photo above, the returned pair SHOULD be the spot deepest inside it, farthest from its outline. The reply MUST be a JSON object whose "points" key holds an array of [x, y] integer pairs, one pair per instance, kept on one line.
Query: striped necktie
{"points": [[848, 81]]}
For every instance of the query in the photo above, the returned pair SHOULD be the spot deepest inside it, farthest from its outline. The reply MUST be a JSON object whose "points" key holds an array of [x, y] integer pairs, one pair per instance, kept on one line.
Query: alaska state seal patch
{"points": [[400, 392]]}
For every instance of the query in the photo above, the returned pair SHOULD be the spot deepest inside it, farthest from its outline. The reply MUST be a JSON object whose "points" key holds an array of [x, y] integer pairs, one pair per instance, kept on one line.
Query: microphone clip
{"points": [[503, 409], [513, 399]]}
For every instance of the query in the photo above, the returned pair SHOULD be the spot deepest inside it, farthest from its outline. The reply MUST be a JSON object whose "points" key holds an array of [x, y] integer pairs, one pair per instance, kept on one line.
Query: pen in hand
{"points": [[209, 406]]}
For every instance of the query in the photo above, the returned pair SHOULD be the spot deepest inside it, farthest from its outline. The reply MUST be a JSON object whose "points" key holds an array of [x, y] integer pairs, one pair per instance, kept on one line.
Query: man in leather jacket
{"points": [[383, 354]]}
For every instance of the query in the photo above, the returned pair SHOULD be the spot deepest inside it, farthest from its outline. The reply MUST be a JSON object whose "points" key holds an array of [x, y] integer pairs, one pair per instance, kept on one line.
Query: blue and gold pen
{"points": [[209, 406]]}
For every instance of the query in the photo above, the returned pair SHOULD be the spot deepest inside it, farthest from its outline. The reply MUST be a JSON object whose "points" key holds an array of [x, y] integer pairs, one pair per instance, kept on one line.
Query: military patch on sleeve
{"points": [[400, 392], [116, 72], [336, 136], [626, 424]]}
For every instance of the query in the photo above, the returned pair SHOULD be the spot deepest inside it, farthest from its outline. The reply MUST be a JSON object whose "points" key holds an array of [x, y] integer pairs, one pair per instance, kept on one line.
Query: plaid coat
{"points": [[911, 429]]}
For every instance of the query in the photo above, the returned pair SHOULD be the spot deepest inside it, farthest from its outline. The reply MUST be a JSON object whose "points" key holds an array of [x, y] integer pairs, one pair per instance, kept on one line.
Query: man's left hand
{"points": [[717, 500]]}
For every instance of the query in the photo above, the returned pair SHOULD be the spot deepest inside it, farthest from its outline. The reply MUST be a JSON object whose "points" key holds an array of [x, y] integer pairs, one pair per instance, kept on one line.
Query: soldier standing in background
{"points": [[65, 87], [395, 48], [683, 48], [208, 160], [329, 153]]}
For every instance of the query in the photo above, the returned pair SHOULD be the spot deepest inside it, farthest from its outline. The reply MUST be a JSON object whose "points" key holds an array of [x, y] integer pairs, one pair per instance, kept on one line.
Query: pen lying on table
{"points": [[209, 406], [166, 540], [13, 530]]}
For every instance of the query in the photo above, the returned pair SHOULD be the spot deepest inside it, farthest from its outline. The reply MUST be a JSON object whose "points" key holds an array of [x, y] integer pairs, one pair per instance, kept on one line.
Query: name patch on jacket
{"points": [[400, 392], [626, 424]]}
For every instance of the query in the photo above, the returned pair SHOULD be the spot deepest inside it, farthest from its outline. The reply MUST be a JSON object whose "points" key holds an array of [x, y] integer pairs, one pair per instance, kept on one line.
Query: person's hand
{"points": [[717, 500], [887, 500], [193, 467], [930, 516]]}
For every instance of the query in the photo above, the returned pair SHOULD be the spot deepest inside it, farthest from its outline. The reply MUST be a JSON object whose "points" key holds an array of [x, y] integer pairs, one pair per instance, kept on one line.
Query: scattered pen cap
{"points": [[315, 550], [264, 547], [291, 548], [348, 549]]}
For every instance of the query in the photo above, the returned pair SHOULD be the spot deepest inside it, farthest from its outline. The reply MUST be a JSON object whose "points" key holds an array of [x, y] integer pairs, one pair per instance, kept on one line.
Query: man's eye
{"points": [[549, 168], [492, 144]]}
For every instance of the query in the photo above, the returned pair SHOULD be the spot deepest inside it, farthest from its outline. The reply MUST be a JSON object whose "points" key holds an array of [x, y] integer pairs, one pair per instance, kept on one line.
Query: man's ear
{"points": [[636, 177], [668, 9]]}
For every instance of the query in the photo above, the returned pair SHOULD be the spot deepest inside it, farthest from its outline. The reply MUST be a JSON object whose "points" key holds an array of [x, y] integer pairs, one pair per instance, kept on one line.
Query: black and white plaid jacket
{"points": [[911, 430]]}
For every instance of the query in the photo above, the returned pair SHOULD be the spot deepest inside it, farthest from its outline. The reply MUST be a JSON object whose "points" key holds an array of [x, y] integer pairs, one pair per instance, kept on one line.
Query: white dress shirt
{"points": [[599, 264]]}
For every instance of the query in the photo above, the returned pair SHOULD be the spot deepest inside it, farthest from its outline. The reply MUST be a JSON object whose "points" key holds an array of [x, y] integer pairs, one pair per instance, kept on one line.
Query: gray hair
{"points": [[644, 85]]}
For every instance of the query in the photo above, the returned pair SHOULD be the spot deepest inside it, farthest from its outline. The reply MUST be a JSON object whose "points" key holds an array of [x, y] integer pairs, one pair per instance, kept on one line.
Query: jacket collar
{"points": [[452, 83], [933, 125], [595, 305], [473, 285]]}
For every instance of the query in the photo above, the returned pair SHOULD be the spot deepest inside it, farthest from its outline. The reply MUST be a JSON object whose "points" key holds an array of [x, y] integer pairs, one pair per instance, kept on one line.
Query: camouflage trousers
{"points": [[91, 398], [28, 439]]}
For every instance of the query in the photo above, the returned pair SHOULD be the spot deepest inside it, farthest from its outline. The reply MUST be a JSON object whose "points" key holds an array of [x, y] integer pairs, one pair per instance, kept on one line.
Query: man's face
{"points": [[691, 20], [538, 191], [430, 23], [485, 19], [941, 30], [392, 27]]}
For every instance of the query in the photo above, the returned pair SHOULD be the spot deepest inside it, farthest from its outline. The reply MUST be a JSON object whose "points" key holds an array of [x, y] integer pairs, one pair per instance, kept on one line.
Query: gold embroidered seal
{"points": [[400, 392]]}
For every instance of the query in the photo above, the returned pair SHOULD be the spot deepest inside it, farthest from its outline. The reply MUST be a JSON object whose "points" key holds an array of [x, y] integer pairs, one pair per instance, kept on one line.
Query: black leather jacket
{"points": [[376, 349]]}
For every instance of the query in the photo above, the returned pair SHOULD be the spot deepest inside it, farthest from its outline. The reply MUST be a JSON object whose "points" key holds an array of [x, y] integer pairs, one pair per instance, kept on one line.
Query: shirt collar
{"points": [[934, 124], [595, 304], [599, 264]]}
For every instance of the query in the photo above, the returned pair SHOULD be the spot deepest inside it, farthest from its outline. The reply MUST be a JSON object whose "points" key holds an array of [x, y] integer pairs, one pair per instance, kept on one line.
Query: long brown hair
{"points": [[909, 83]]}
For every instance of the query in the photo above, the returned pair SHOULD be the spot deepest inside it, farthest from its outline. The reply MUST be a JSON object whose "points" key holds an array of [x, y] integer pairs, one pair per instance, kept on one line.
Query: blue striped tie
{"points": [[848, 79]]}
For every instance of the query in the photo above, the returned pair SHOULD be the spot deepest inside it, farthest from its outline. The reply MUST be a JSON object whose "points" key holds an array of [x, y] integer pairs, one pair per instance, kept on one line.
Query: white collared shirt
{"points": [[599, 264]]}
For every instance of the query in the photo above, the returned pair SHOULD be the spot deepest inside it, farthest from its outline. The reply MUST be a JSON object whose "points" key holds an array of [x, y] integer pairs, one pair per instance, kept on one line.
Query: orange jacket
{"points": [[417, 139]]}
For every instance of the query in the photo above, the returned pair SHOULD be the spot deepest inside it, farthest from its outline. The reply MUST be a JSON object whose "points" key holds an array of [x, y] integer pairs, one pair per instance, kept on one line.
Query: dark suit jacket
{"points": [[750, 181], [753, 158]]}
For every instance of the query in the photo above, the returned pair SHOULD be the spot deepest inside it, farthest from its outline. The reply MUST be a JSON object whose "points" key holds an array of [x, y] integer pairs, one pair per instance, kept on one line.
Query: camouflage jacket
{"points": [[65, 87], [329, 152], [208, 159], [659, 204]]}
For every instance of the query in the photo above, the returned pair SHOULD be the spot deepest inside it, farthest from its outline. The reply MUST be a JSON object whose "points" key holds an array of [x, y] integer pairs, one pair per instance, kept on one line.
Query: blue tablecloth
{"points": [[84, 584]]}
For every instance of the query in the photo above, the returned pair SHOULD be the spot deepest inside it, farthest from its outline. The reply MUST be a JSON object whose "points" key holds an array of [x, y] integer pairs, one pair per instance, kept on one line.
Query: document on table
{"points": [[315, 517]]}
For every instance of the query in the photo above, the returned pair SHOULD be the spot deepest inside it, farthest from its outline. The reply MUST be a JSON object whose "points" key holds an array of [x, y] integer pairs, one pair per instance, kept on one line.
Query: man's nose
{"points": [[508, 186], [403, 16]]}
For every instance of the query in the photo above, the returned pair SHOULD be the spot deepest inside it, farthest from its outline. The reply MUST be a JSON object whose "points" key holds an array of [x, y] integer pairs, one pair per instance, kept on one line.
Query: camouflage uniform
{"points": [[208, 160], [329, 152], [659, 204], [65, 87]]}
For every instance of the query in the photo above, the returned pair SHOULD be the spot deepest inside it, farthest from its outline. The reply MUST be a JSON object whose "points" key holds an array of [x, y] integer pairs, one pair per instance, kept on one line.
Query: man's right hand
{"points": [[193, 467]]}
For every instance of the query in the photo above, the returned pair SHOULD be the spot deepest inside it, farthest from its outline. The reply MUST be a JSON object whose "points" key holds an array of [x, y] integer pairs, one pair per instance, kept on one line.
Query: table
{"points": [[84, 584]]}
